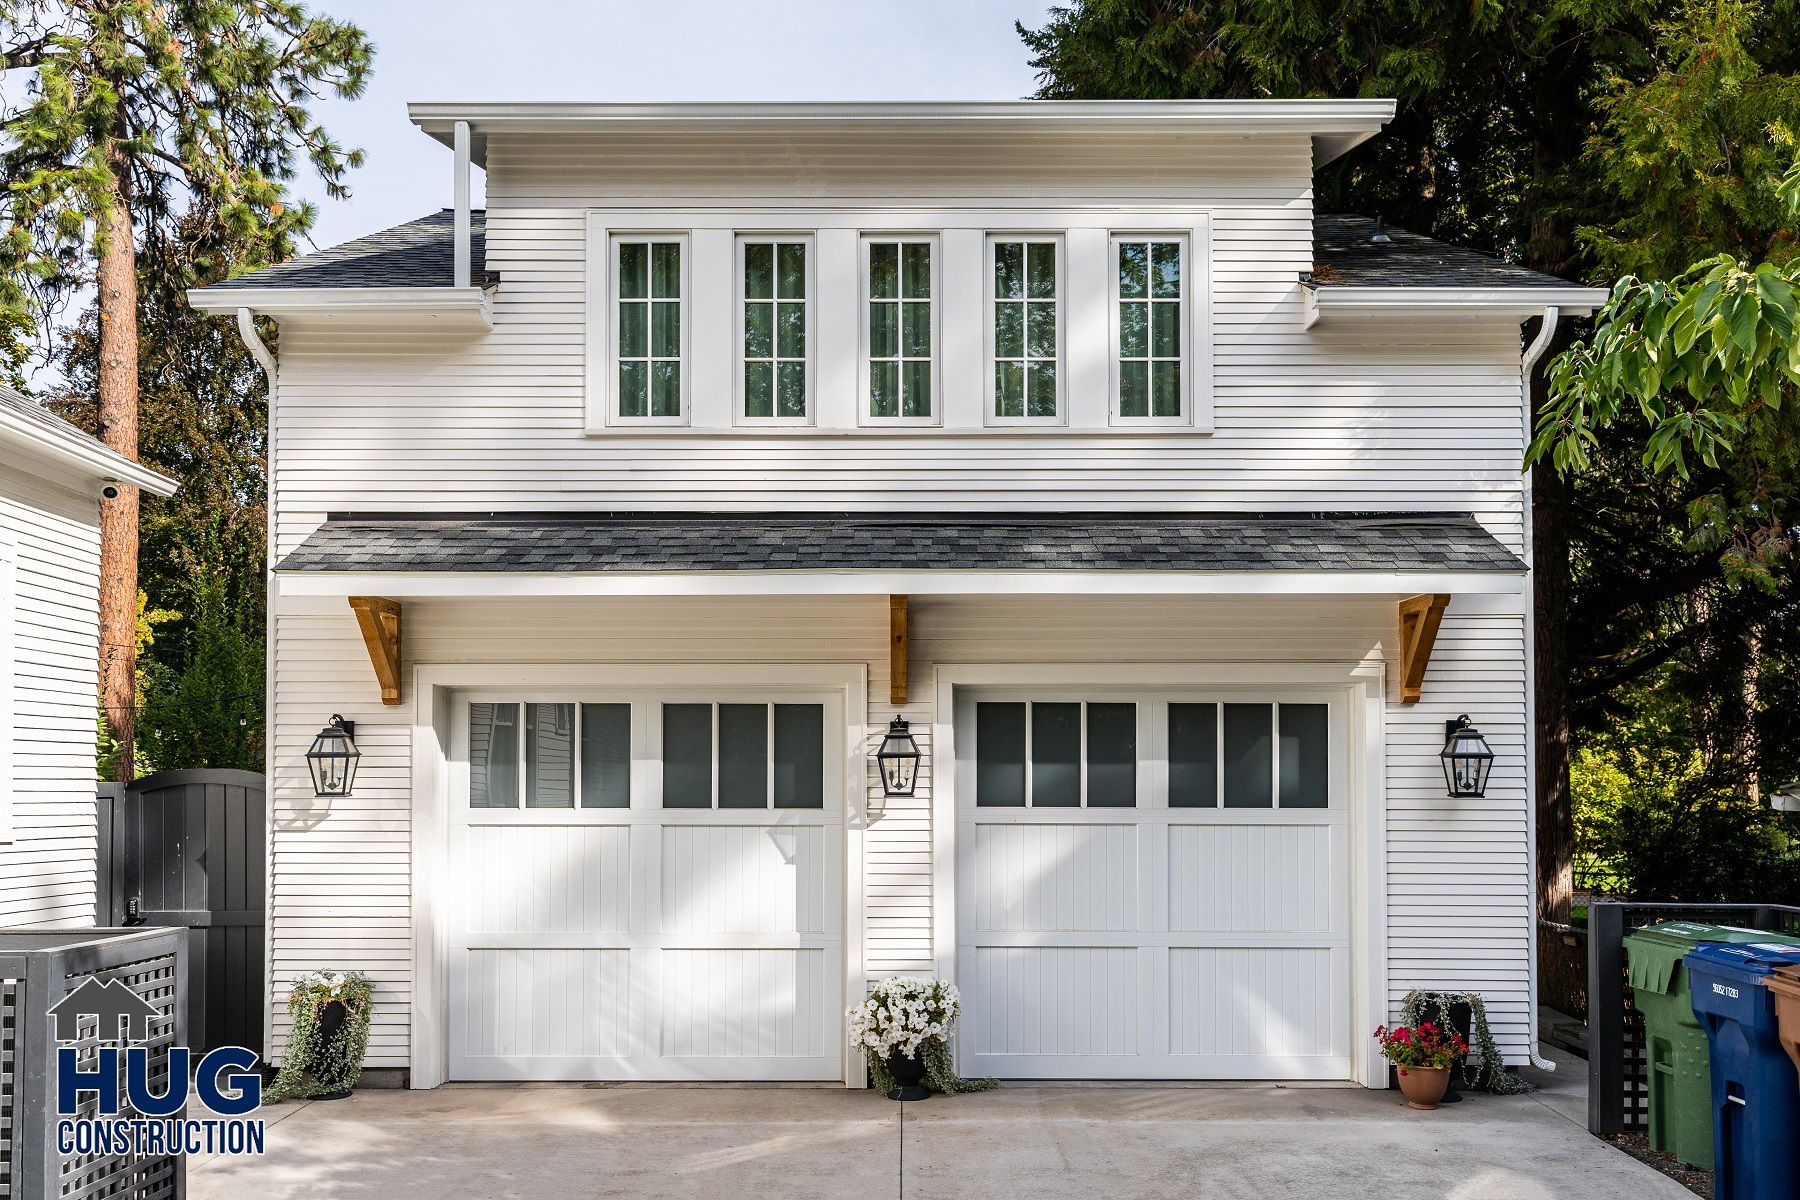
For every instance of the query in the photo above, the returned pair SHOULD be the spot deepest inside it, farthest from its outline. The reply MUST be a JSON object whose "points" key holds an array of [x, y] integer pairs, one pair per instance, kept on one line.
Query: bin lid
{"points": [[1752, 958], [1653, 952], [1785, 980]]}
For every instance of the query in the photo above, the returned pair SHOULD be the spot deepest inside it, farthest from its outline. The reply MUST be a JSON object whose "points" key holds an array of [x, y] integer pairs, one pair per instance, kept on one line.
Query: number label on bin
{"points": [[1721, 990]]}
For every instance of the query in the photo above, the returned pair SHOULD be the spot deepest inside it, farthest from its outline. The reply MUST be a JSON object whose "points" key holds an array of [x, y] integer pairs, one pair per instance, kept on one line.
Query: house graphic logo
{"points": [[115, 1007], [106, 1081]]}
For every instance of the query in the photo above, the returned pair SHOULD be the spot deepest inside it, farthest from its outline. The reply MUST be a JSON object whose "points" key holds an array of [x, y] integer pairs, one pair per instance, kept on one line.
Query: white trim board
{"points": [[434, 688], [9, 638], [1362, 686]]}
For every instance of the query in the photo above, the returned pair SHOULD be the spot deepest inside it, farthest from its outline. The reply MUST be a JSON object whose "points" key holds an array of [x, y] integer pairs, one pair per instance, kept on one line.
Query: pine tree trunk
{"points": [[116, 280], [1550, 607]]}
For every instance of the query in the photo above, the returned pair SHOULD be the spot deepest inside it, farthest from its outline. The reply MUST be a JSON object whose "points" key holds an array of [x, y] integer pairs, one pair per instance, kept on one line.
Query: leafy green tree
{"points": [[207, 711], [1580, 137], [165, 124]]}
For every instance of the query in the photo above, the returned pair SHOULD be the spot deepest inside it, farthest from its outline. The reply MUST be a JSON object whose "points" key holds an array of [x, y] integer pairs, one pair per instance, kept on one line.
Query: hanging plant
{"points": [[329, 1038], [1485, 1069], [911, 1017]]}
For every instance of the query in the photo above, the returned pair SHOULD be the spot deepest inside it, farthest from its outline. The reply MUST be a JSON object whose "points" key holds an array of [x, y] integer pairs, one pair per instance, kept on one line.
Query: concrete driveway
{"points": [[743, 1142]]}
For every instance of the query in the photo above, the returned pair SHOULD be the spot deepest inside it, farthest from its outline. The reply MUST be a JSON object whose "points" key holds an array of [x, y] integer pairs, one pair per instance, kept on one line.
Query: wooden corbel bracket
{"points": [[379, 619], [897, 649], [1419, 620]]}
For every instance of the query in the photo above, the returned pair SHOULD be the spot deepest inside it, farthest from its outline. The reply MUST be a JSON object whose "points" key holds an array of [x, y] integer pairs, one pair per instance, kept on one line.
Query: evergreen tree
{"points": [[165, 127]]}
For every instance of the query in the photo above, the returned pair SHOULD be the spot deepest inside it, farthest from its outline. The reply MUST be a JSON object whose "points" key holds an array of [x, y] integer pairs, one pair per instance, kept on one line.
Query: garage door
{"points": [[647, 887], [1152, 886]]}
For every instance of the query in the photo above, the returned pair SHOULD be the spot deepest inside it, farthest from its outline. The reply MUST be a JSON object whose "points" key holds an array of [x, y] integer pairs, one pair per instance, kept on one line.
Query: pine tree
{"points": [[165, 127]]}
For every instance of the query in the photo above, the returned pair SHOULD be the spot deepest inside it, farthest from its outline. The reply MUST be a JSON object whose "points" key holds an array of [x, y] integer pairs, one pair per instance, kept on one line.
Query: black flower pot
{"points": [[1462, 1018], [331, 1024], [908, 1073]]}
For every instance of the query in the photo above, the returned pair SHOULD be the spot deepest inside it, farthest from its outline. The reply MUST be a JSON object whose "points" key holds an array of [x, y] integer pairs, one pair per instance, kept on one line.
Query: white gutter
{"points": [[73, 449], [468, 306], [1324, 300], [1533, 352]]}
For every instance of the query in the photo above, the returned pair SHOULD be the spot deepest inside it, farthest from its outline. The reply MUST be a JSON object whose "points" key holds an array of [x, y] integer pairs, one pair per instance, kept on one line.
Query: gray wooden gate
{"points": [[185, 849]]}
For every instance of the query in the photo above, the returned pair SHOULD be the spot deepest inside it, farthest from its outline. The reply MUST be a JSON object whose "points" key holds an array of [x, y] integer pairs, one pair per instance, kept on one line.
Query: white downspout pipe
{"points": [[1533, 353], [259, 350], [460, 236]]}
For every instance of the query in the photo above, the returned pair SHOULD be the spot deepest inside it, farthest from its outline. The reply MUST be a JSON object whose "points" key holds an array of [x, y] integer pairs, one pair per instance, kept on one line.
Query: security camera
{"points": [[109, 491]]}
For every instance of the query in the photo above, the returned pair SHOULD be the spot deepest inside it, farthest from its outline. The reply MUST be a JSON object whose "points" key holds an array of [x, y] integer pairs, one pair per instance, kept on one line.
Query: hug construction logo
{"points": [[138, 1092]]}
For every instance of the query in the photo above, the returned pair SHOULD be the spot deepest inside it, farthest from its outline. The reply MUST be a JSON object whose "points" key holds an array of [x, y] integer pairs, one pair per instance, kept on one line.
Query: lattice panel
{"points": [[10, 991], [128, 1177]]}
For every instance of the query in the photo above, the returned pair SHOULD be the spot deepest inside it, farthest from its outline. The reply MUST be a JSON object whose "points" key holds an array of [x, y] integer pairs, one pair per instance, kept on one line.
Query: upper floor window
{"points": [[1024, 330], [775, 293], [1149, 299], [649, 277], [900, 349]]}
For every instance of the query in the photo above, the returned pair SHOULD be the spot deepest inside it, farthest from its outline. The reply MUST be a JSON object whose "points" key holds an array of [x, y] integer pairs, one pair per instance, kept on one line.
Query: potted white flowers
{"points": [[904, 1027], [329, 1038]]}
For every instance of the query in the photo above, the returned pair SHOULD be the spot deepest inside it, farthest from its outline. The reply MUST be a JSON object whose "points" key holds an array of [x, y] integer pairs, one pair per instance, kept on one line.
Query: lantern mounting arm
{"points": [[379, 619]]}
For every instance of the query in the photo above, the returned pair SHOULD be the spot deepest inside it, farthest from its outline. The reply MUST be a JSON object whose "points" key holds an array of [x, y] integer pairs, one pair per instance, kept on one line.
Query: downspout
{"points": [[1533, 353], [259, 350]]}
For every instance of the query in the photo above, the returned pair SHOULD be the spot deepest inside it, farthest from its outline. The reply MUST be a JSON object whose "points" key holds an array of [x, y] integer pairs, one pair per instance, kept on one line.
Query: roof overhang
{"points": [[1329, 301], [1335, 126], [75, 454], [449, 308], [410, 585]]}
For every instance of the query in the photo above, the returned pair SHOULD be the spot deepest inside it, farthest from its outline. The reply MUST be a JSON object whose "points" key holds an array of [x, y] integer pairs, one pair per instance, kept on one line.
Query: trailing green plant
{"points": [[907, 1016], [1490, 1075], [316, 1066]]}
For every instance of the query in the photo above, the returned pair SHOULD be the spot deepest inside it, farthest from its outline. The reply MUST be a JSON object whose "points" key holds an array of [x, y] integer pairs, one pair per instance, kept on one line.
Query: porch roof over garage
{"points": [[734, 542]]}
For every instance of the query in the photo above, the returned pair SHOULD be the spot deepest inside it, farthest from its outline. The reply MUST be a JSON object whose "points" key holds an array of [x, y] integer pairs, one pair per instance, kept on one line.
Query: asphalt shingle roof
{"points": [[37, 414], [417, 254], [1343, 256], [637, 542]]}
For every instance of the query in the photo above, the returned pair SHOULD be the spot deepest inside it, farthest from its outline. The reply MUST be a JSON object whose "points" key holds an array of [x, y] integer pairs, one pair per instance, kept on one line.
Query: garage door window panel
{"points": [[1304, 764], [493, 756], [606, 756], [550, 755], [1055, 754], [1193, 756], [767, 756]]}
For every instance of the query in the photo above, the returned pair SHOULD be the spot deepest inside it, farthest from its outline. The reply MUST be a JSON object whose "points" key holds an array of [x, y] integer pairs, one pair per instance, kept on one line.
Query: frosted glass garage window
{"points": [[1193, 755], [606, 756], [1055, 754], [743, 756], [1249, 756], [648, 306], [493, 756], [1305, 755], [549, 756]]}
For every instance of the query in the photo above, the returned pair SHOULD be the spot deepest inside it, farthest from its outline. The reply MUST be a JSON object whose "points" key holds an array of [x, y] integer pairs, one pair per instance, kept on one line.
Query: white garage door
{"points": [[1152, 886], [647, 887]]}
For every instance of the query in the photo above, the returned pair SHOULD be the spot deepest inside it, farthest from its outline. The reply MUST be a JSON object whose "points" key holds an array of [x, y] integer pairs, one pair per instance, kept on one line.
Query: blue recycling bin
{"points": [[1755, 1091]]}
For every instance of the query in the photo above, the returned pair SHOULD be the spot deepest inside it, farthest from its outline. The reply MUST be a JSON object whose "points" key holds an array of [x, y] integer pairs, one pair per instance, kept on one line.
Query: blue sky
{"points": [[623, 50]]}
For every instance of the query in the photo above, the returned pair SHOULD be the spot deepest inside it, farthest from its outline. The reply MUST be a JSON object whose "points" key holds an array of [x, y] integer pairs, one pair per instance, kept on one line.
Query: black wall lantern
{"points": [[332, 759], [1467, 758], [899, 760]]}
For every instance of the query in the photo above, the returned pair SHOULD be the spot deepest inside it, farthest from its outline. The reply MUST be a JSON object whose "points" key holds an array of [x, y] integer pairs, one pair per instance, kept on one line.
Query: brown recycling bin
{"points": [[1784, 985]]}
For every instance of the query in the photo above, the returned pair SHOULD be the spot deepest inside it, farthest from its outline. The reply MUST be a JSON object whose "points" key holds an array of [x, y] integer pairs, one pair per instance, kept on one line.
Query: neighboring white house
{"points": [[620, 520], [51, 477]]}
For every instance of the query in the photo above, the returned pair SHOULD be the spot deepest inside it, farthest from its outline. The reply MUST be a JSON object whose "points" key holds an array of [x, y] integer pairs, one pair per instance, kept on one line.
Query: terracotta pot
{"points": [[909, 1077], [1423, 1086]]}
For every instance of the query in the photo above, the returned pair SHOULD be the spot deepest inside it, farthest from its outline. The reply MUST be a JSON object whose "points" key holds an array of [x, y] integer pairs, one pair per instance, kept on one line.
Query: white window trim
{"points": [[988, 345], [603, 321], [932, 238], [9, 624], [812, 300]]}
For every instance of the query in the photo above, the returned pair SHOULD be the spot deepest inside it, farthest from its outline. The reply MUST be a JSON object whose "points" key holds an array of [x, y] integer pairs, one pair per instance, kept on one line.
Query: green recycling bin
{"points": [[1675, 1048]]}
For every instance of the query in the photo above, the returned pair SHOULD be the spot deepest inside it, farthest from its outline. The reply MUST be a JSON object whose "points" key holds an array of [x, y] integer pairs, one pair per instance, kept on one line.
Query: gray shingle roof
{"points": [[639, 542], [1343, 256], [37, 414], [416, 254]]}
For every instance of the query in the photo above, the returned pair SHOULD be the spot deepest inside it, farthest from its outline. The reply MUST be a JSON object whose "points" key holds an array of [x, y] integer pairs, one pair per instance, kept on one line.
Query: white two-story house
{"points": [[620, 520]]}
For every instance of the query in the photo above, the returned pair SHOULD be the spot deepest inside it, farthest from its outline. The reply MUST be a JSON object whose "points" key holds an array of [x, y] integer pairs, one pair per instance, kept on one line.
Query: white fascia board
{"points": [[447, 307], [1336, 125], [1409, 301], [75, 452], [477, 584]]}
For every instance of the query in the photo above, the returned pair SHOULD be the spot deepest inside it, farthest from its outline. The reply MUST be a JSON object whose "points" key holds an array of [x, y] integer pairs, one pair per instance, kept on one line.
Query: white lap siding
{"points": [[47, 870], [1457, 888]]}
